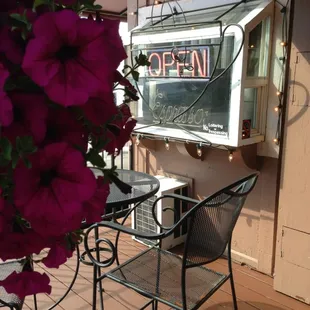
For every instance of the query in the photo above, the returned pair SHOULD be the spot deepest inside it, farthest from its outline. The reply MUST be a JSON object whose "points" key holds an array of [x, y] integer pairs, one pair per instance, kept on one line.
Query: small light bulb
{"points": [[167, 146], [199, 150], [279, 93], [157, 2], [276, 141], [277, 109], [252, 46], [283, 43], [231, 156], [133, 13]]}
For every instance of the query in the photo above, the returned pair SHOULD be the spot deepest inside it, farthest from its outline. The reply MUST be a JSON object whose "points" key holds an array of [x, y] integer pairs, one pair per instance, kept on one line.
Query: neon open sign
{"points": [[196, 63]]}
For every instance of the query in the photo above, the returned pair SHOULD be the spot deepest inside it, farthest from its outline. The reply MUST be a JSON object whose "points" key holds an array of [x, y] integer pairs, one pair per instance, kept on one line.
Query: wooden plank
{"points": [[250, 272], [250, 278], [253, 292]]}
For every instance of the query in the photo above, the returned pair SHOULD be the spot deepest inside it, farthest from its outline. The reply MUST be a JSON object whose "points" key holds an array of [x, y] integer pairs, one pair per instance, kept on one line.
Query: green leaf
{"points": [[19, 17], [4, 183], [135, 75], [23, 83], [87, 2], [9, 85], [15, 159], [95, 159], [40, 2], [25, 145], [3, 162], [27, 162], [6, 148], [18, 144], [142, 60], [126, 67]]}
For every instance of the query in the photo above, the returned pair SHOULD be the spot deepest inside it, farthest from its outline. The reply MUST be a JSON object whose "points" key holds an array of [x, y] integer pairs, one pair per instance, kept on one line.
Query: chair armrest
{"points": [[179, 197], [126, 230], [111, 247]]}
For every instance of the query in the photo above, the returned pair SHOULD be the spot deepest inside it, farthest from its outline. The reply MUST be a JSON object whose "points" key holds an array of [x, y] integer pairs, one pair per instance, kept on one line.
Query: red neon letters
{"points": [[163, 65]]}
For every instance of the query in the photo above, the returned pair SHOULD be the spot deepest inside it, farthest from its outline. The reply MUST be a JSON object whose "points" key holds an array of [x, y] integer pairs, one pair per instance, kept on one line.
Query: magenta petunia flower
{"points": [[6, 110], [100, 111], [6, 216], [26, 283], [120, 130], [3, 220], [94, 208], [62, 126], [57, 255], [73, 58], [19, 245], [51, 194], [9, 46], [30, 116]]}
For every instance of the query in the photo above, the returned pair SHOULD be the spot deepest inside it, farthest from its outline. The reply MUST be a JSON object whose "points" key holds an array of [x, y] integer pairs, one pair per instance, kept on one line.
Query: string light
{"points": [[284, 43], [199, 146], [133, 13], [199, 149], [278, 108], [279, 93], [138, 139], [167, 146], [282, 59], [157, 2]]}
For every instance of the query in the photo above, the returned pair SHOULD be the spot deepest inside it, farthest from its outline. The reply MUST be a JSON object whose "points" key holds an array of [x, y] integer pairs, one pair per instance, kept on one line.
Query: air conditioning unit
{"points": [[143, 221]]}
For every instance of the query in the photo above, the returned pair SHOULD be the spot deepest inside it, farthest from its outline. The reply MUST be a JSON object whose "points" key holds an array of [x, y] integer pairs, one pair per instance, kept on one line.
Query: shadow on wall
{"points": [[300, 88], [245, 306]]}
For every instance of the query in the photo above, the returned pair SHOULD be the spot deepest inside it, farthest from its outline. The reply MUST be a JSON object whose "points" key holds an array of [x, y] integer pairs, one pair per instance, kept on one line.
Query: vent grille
{"points": [[144, 220]]}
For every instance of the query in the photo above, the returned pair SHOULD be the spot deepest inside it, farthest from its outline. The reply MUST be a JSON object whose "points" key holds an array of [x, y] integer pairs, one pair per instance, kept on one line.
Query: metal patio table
{"points": [[143, 186], [119, 205]]}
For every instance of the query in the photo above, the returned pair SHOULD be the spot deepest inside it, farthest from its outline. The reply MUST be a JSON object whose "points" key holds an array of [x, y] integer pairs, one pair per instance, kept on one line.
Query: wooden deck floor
{"points": [[254, 290]]}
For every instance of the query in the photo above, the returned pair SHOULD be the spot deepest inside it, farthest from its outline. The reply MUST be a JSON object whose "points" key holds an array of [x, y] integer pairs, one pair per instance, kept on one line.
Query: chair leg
{"points": [[155, 305], [233, 291], [35, 302], [232, 284]]}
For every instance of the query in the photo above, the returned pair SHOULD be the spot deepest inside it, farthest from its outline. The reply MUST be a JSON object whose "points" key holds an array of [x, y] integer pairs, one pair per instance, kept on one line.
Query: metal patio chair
{"points": [[10, 301], [183, 282]]}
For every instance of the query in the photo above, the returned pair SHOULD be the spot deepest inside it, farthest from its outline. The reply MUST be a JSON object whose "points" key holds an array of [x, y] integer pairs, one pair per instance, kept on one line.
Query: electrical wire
{"points": [[212, 78]]}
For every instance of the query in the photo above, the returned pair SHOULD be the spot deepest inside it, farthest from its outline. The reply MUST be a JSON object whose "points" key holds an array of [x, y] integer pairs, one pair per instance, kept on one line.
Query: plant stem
{"points": [[136, 66]]}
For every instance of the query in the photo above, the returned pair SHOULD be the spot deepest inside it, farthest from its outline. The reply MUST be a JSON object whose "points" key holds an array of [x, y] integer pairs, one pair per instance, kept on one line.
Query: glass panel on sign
{"points": [[258, 49], [250, 106]]}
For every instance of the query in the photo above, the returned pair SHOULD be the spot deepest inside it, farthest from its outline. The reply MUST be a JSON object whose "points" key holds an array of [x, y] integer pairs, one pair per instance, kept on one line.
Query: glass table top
{"points": [[143, 186]]}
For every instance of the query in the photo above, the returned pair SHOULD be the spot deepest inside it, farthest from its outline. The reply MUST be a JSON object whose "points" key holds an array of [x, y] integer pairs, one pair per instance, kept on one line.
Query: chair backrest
{"points": [[213, 221]]}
